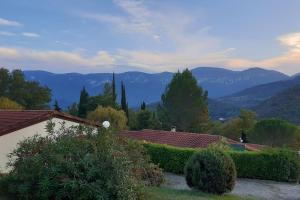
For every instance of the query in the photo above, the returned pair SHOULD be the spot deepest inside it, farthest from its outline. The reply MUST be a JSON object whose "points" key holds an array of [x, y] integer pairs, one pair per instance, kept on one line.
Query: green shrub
{"points": [[171, 159], [149, 173], [211, 170], [276, 164], [71, 166]]}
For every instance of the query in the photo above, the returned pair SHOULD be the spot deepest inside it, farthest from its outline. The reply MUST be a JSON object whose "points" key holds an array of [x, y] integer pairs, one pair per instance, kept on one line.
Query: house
{"points": [[185, 139], [18, 125]]}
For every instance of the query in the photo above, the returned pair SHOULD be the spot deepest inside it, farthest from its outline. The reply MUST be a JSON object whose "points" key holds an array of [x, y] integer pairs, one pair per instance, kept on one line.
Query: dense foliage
{"points": [[67, 165], [210, 170], [279, 165], [276, 133], [7, 104], [28, 94], [117, 118], [184, 104], [89, 103], [234, 128], [146, 119]]}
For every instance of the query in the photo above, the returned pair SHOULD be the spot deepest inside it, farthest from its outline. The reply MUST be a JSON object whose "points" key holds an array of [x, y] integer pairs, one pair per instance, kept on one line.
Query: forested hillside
{"points": [[285, 105]]}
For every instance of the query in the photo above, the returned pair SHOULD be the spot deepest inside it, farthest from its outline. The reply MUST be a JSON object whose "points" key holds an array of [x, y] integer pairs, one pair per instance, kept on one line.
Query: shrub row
{"points": [[277, 165]]}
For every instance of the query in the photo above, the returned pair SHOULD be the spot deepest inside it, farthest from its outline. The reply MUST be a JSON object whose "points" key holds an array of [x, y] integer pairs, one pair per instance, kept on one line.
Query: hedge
{"points": [[277, 165]]}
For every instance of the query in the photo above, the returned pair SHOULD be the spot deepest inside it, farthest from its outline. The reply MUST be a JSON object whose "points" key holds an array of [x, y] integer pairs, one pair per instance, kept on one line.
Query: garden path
{"points": [[257, 189]]}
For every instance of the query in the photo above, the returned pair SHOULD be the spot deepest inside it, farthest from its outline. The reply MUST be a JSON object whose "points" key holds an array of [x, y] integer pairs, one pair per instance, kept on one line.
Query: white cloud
{"points": [[6, 22], [55, 61], [6, 33], [29, 34]]}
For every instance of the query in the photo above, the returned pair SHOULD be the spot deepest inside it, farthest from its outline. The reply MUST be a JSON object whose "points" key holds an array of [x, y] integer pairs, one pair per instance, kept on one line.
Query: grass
{"points": [[154, 193]]}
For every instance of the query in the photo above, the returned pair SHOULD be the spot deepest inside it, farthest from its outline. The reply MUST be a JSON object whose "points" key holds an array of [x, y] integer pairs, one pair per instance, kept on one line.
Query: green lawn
{"points": [[154, 193]]}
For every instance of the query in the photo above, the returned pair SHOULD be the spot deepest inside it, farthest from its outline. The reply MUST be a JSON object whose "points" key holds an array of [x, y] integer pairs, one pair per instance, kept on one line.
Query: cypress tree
{"points": [[143, 106], [56, 106], [83, 103], [113, 84], [124, 104]]}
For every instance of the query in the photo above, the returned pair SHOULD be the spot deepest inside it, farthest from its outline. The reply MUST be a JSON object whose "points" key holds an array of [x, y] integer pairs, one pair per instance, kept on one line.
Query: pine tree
{"points": [[83, 103], [56, 106], [113, 84], [124, 104], [184, 104], [143, 106]]}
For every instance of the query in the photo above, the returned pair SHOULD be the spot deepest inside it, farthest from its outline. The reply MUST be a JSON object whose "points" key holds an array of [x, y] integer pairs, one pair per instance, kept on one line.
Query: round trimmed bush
{"points": [[211, 171]]}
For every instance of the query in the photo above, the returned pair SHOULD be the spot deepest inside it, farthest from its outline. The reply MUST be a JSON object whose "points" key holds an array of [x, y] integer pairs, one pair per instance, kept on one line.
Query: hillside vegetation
{"points": [[255, 95], [285, 105]]}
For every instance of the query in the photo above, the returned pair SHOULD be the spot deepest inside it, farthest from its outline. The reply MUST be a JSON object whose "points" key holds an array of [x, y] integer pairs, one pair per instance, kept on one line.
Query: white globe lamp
{"points": [[106, 124]]}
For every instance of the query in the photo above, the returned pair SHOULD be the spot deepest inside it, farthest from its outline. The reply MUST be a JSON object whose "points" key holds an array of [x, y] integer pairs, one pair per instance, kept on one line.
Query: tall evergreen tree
{"points": [[56, 106], [113, 84], [124, 104], [184, 104], [83, 103], [143, 106]]}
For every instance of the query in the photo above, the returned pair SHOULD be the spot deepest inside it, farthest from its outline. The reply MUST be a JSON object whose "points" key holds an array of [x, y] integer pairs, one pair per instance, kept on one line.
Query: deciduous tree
{"points": [[116, 118]]}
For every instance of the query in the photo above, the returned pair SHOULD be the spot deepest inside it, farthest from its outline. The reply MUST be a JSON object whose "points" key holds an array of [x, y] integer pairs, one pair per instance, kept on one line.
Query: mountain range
{"points": [[148, 87]]}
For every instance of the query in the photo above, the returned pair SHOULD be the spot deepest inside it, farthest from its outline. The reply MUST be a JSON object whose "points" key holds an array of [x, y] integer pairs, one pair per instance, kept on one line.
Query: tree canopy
{"points": [[276, 133], [240, 126], [184, 104], [117, 118], [29, 94]]}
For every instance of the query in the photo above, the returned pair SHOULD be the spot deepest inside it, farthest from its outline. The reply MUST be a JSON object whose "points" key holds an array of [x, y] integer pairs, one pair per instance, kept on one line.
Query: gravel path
{"points": [[257, 189]]}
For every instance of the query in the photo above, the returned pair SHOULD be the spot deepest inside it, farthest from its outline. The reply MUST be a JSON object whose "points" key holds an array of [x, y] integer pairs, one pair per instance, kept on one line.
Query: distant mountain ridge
{"points": [[147, 87], [253, 96]]}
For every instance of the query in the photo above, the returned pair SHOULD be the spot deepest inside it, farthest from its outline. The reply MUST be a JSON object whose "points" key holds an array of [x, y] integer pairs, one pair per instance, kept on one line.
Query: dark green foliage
{"points": [[276, 133], [278, 165], [73, 109], [150, 173], [171, 159], [83, 103], [28, 94], [234, 128], [114, 92], [72, 166], [124, 103], [143, 106], [147, 120], [210, 170], [184, 104], [56, 106], [144, 119]]}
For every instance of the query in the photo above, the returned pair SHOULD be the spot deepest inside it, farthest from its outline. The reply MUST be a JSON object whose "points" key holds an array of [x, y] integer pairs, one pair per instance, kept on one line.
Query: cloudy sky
{"points": [[157, 35]]}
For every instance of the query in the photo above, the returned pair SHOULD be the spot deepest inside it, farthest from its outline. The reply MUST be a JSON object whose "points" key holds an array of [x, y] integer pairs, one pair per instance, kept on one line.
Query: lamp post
{"points": [[106, 124]]}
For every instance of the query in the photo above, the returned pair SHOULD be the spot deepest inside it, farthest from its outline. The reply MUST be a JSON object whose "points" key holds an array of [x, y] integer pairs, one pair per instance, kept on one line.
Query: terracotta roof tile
{"points": [[14, 120], [178, 139], [184, 139]]}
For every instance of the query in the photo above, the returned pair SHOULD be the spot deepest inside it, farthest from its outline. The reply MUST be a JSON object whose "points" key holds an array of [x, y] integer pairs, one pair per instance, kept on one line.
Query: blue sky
{"points": [[159, 35]]}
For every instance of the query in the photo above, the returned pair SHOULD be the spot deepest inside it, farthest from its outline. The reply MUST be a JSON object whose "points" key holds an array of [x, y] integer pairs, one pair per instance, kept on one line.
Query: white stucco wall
{"points": [[10, 141]]}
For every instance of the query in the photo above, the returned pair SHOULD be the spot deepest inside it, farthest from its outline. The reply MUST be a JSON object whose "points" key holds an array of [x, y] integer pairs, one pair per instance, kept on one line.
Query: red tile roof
{"points": [[14, 120], [178, 139], [183, 139]]}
